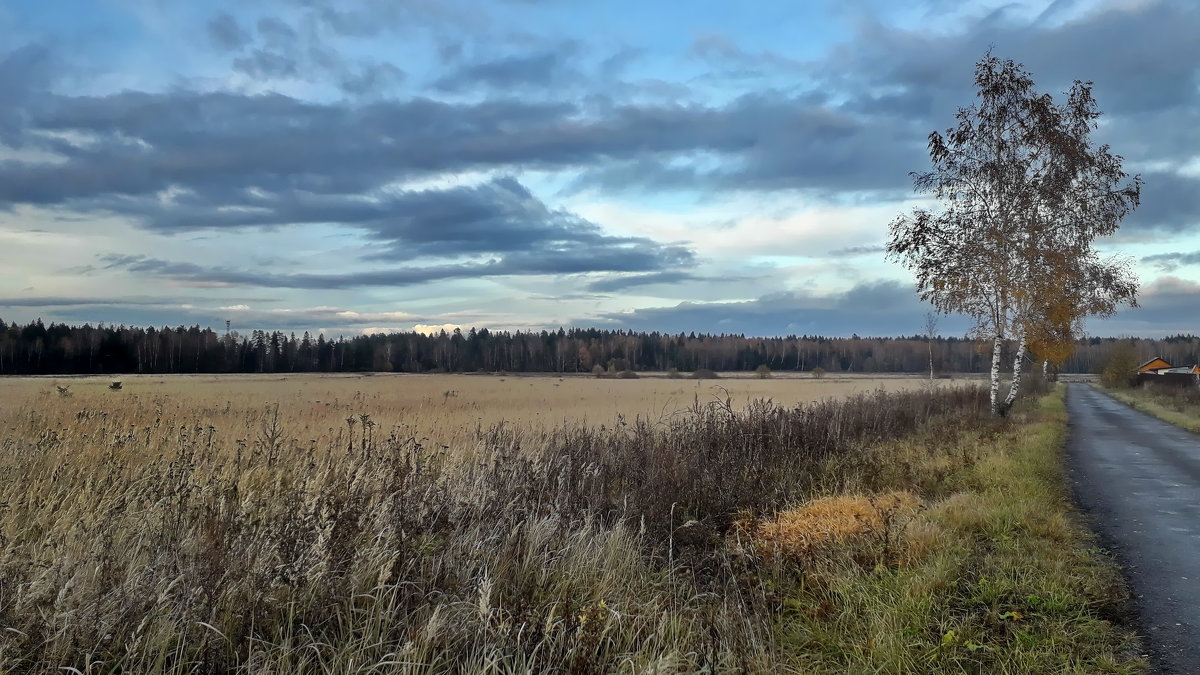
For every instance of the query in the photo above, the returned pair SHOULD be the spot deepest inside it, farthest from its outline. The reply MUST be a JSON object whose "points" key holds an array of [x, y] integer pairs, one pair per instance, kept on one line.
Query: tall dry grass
{"points": [[136, 535]]}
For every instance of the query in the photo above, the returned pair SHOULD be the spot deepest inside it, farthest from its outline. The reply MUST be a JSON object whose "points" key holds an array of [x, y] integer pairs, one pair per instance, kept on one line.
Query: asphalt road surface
{"points": [[1139, 479]]}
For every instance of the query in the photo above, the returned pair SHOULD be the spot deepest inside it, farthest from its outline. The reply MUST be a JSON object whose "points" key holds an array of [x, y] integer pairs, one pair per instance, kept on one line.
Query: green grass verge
{"points": [[997, 575], [1174, 406]]}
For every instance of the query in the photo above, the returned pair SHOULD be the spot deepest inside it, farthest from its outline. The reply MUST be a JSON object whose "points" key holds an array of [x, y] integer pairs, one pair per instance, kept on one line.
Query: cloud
{"points": [[857, 250], [924, 73], [371, 18], [1167, 306], [25, 75], [496, 228], [226, 33], [277, 32], [1170, 202], [733, 62], [1169, 262], [883, 91], [309, 316], [886, 308], [71, 301], [425, 329], [372, 78], [864, 135], [134, 145], [171, 312], [880, 308], [190, 274], [541, 68], [889, 58], [281, 51], [263, 64], [620, 283]]}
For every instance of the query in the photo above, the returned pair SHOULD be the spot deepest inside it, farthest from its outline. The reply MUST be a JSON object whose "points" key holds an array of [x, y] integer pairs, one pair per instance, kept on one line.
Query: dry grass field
{"points": [[443, 408], [452, 524]]}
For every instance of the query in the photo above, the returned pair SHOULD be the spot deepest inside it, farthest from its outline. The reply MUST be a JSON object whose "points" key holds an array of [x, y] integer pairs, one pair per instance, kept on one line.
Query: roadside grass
{"points": [[993, 574], [1176, 405]]}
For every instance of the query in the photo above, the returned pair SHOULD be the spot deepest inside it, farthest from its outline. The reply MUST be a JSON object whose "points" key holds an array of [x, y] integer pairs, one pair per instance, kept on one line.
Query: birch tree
{"points": [[931, 325], [1022, 194]]}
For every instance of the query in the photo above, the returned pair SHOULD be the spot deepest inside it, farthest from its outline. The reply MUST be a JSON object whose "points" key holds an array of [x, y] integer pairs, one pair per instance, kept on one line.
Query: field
{"points": [[450, 524], [442, 408]]}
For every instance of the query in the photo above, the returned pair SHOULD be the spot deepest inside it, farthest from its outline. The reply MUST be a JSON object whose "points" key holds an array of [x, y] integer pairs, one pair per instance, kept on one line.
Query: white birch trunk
{"points": [[1018, 357], [931, 363], [997, 345], [1045, 368]]}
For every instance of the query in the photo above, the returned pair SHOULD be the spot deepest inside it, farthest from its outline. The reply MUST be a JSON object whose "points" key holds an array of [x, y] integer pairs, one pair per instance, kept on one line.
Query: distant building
{"points": [[1159, 371], [1154, 365]]}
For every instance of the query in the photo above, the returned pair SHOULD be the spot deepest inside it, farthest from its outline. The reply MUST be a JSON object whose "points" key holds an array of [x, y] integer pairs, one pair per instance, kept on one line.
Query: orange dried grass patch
{"points": [[828, 521]]}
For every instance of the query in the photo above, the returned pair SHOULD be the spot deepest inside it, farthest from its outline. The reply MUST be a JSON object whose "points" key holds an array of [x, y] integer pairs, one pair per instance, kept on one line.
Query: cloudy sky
{"points": [[386, 164]]}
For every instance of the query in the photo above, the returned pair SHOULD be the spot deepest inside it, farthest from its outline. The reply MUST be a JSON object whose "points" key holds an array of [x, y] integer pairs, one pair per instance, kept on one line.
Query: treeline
{"points": [[37, 348]]}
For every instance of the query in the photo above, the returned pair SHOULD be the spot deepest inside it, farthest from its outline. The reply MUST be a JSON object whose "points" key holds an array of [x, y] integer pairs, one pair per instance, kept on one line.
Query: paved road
{"points": [[1139, 478]]}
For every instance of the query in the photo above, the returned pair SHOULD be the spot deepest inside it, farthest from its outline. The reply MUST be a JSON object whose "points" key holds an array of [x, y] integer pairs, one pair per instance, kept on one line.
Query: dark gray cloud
{"points": [[1170, 202], [887, 308], [1169, 262], [213, 143], [499, 216], [858, 250], [226, 33], [1168, 306], [541, 68], [620, 283], [615, 64], [882, 308], [25, 75], [277, 32], [280, 51], [770, 142], [577, 261], [265, 64], [497, 228], [1148, 65], [892, 87], [369, 18], [1145, 82], [372, 78], [351, 23], [69, 301], [1133, 73], [137, 311], [889, 88], [730, 61]]}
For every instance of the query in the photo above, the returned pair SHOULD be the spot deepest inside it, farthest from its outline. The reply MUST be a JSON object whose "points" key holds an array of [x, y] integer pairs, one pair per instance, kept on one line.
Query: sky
{"points": [[389, 165]]}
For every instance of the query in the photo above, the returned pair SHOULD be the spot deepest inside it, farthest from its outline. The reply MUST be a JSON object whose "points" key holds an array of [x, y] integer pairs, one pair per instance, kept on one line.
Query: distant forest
{"points": [[36, 348]]}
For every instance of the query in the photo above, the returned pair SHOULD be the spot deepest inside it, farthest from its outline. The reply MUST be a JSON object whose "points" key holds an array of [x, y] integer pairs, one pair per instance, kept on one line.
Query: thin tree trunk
{"points": [[931, 361], [997, 345], [1018, 357]]}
